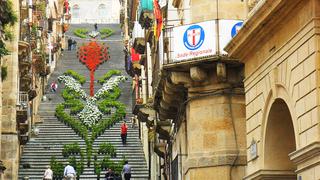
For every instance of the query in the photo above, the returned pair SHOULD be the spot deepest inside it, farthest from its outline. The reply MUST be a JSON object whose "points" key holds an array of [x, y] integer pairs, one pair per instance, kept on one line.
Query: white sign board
{"points": [[199, 40], [227, 30], [195, 40]]}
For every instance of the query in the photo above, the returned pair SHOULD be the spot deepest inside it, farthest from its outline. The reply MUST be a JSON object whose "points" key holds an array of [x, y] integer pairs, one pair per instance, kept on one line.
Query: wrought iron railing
{"points": [[23, 100]]}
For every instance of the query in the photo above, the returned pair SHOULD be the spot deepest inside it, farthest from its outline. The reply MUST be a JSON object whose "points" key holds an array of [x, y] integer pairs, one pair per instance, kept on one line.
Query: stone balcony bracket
{"points": [[198, 74], [159, 149], [221, 72], [181, 78]]}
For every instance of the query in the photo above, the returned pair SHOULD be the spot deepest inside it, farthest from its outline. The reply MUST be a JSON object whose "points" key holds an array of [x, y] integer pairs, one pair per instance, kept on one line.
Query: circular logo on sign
{"points": [[236, 28], [193, 37]]}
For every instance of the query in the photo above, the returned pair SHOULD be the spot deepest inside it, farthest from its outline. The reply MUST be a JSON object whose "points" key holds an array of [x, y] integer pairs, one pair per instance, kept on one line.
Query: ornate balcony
{"points": [[146, 13], [138, 38], [22, 107], [23, 127], [23, 138], [163, 129]]}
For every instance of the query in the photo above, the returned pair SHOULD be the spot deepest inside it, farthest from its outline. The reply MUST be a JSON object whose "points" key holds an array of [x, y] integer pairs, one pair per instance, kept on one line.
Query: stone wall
{"points": [[284, 65], [216, 141], [204, 10], [9, 136]]}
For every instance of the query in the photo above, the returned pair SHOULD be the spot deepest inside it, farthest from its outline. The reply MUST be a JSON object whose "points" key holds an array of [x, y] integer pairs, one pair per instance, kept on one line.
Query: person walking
{"points": [[95, 27], [126, 171], [110, 175], [124, 129], [74, 44], [54, 86], [48, 174], [69, 44], [69, 172]]}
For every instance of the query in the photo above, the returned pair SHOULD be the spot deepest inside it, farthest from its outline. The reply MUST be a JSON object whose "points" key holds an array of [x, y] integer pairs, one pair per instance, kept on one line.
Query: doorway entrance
{"points": [[279, 142]]}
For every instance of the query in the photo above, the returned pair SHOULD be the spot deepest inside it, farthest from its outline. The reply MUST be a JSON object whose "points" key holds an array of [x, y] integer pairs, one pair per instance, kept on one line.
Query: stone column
{"points": [[215, 114], [9, 136]]}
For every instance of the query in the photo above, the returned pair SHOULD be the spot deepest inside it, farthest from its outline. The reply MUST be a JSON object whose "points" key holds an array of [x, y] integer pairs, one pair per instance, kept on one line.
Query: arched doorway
{"points": [[102, 11], [75, 11], [279, 141]]}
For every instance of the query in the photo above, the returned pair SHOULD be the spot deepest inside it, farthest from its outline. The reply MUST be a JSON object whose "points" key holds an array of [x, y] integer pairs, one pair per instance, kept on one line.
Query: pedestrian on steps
{"points": [[110, 175], [95, 27], [48, 174], [126, 171], [54, 86], [124, 129], [69, 172], [69, 44]]}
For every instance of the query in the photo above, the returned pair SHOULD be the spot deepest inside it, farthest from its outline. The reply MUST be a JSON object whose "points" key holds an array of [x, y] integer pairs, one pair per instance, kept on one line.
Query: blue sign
{"points": [[236, 28], [193, 37]]}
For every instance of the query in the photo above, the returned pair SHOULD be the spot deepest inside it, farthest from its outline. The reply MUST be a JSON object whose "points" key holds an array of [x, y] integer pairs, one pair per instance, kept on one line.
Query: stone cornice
{"points": [[254, 30], [227, 159], [307, 153], [271, 174]]}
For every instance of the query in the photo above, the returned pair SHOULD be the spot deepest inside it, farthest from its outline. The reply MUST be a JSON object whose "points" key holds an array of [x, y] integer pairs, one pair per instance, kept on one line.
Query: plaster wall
{"points": [[285, 65], [89, 11]]}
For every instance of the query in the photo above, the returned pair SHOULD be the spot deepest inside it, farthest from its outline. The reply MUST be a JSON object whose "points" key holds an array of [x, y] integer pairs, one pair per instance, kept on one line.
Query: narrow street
{"points": [[53, 134]]}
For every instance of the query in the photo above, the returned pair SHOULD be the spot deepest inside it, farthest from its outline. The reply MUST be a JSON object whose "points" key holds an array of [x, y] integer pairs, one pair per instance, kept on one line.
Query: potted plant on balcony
{"points": [[65, 27], [139, 101], [67, 16]]}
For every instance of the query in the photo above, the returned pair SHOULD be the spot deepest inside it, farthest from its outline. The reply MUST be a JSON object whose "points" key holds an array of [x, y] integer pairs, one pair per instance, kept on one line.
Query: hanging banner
{"points": [[193, 41], [227, 30], [200, 40]]}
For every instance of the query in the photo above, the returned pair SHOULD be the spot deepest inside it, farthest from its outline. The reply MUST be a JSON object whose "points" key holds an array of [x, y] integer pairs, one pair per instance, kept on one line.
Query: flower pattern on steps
{"points": [[91, 114]]}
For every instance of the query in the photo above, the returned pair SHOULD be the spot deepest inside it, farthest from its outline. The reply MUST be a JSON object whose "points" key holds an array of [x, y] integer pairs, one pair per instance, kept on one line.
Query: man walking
{"points": [[126, 171], [95, 27], [69, 44], [124, 129], [69, 172]]}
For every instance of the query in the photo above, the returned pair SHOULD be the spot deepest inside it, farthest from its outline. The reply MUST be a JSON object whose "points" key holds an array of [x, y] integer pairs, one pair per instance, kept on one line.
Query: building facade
{"points": [[281, 88], [191, 107], [245, 109], [33, 42], [95, 11]]}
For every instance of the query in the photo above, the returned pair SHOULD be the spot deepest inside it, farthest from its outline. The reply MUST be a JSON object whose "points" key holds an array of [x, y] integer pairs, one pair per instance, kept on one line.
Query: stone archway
{"points": [[279, 142]]}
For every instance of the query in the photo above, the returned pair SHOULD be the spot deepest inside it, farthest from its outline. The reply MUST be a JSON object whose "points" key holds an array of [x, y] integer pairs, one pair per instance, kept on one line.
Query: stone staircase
{"points": [[54, 134]]}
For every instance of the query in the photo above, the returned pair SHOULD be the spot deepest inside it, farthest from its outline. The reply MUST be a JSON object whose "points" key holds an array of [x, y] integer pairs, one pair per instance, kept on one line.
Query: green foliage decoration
{"points": [[108, 75], [8, 16], [57, 168], [81, 32], [3, 50], [75, 75], [107, 149], [74, 104], [105, 32]]}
